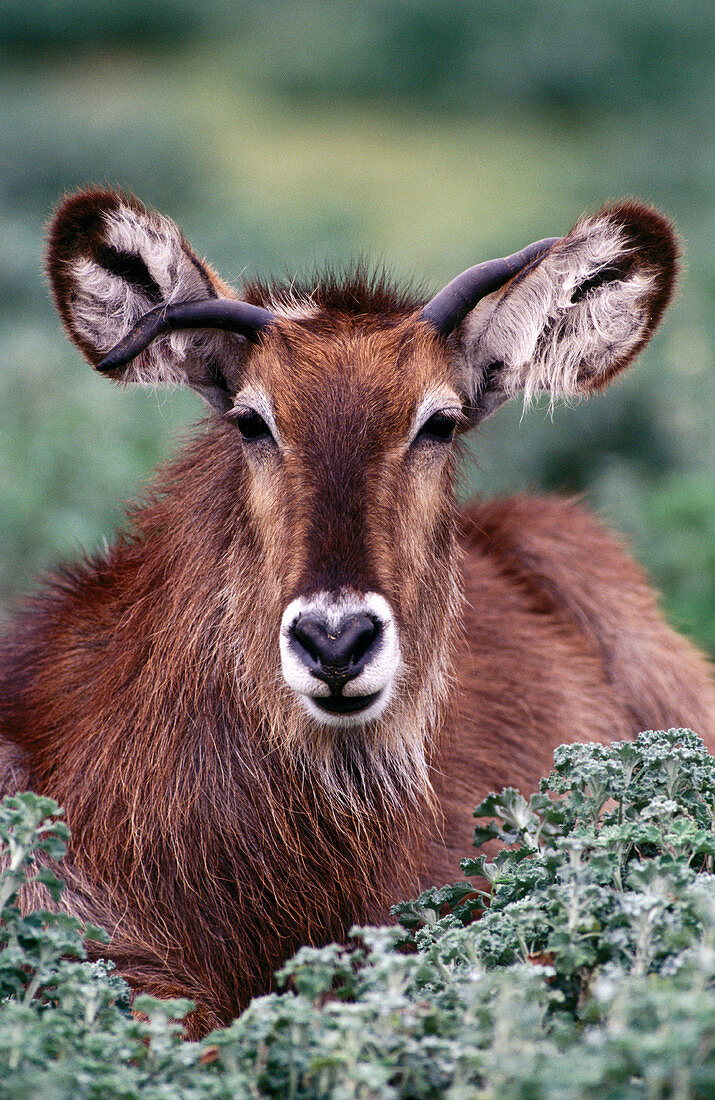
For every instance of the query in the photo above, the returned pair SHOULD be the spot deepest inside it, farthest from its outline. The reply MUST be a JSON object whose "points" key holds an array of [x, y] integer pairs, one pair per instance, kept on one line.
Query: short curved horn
{"points": [[445, 311], [224, 313]]}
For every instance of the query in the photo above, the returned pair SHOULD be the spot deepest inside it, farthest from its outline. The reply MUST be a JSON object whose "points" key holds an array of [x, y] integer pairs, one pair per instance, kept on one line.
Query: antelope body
{"points": [[270, 707]]}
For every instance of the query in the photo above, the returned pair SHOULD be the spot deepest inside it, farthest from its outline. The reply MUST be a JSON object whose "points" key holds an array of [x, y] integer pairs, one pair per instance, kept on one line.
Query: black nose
{"points": [[335, 655]]}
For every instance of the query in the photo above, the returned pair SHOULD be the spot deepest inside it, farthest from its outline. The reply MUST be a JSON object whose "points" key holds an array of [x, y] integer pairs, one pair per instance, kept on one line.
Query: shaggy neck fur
{"points": [[221, 788]]}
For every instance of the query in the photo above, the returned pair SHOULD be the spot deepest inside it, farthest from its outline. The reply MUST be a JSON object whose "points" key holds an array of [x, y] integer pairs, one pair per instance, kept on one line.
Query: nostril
{"points": [[365, 635], [307, 633], [335, 654]]}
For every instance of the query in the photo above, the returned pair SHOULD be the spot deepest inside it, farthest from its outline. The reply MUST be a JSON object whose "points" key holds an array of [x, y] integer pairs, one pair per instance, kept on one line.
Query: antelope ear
{"points": [[576, 316], [110, 261]]}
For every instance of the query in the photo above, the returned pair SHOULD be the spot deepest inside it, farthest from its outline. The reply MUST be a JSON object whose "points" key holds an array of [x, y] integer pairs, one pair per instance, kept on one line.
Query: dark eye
{"points": [[251, 425], [439, 428]]}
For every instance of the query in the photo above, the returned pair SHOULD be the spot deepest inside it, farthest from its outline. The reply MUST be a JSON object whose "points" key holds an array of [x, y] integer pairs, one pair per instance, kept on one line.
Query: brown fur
{"points": [[216, 826]]}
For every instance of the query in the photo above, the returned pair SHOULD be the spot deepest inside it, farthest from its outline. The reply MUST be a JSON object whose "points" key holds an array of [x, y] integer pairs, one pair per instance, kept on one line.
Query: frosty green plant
{"points": [[590, 971]]}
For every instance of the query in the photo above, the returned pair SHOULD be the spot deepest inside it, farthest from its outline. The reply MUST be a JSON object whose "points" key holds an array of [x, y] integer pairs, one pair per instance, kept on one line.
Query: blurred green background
{"points": [[430, 135]]}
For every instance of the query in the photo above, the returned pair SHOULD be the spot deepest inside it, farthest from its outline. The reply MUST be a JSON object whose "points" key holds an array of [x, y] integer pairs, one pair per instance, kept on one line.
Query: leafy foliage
{"points": [[589, 974]]}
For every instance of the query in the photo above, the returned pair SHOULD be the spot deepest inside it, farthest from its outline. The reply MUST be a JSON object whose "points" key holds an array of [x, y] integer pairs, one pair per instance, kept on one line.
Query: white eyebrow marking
{"points": [[259, 401], [443, 400]]}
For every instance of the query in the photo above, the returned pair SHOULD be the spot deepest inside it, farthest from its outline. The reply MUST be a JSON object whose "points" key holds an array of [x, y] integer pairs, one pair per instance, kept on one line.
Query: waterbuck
{"points": [[270, 705]]}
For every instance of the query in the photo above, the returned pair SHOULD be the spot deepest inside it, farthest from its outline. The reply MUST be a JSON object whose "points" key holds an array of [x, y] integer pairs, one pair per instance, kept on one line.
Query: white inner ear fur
{"points": [[543, 339], [159, 243], [105, 306]]}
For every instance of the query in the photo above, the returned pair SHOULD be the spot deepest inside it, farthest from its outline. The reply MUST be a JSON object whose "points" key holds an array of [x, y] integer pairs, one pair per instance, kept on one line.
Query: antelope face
{"points": [[347, 430]]}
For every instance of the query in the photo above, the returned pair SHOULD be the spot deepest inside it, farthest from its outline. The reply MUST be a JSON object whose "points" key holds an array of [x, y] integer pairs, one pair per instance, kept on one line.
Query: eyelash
{"points": [[439, 428], [252, 426]]}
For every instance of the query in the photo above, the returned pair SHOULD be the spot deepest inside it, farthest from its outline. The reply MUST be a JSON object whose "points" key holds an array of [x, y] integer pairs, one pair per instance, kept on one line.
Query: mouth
{"points": [[344, 704]]}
